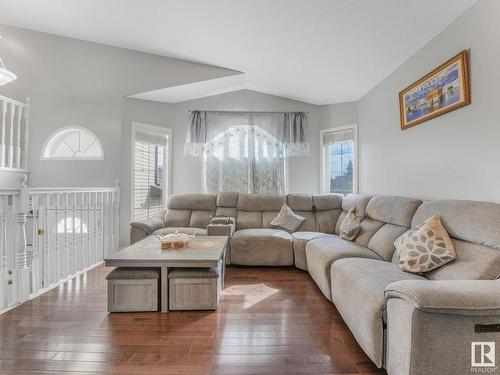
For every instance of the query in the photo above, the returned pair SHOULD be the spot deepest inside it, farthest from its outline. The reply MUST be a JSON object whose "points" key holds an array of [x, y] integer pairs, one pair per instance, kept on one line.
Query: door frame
{"points": [[153, 129]]}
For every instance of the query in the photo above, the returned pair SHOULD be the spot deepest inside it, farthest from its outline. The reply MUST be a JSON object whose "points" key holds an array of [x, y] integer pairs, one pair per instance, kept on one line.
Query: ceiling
{"points": [[316, 51]]}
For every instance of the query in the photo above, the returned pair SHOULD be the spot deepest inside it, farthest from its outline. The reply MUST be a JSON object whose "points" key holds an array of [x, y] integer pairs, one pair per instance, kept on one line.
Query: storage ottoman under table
{"points": [[195, 288], [133, 289]]}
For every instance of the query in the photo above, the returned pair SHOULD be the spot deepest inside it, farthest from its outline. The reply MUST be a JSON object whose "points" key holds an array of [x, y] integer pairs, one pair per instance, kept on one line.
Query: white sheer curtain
{"points": [[246, 151], [243, 153]]}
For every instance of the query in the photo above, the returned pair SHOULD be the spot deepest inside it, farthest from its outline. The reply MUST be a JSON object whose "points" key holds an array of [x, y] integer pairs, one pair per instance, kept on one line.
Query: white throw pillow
{"points": [[287, 219], [350, 227], [425, 247]]}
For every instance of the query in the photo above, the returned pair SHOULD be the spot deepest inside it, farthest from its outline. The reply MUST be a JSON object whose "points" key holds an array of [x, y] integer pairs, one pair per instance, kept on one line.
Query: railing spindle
{"points": [[2, 134], [74, 266], [11, 136], [18, 139]]}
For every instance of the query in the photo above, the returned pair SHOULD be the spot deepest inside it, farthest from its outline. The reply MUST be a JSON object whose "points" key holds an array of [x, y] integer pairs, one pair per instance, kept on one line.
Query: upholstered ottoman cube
{"points": [[195, 288], [133, 289]]}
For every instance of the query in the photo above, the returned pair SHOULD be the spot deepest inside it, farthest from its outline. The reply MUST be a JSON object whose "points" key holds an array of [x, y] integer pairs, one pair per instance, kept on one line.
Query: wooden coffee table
{"points": [[203, 252]]}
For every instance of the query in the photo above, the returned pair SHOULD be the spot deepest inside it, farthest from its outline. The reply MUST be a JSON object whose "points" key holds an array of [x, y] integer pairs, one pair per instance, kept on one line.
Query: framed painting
{"points": [[444, 89]]}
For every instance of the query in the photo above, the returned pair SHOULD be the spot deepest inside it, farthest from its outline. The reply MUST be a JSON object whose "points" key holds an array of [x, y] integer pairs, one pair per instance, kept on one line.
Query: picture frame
{"points": [[440, 91]]}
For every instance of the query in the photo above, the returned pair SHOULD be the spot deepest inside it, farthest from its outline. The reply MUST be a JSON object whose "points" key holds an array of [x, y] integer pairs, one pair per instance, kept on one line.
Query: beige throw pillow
{"points": [[425, 247], [287, 219], [350, 226]]}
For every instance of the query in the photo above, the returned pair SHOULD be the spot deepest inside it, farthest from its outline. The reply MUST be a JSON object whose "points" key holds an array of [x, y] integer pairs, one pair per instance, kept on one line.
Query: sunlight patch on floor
{"points": [[251, 294]]}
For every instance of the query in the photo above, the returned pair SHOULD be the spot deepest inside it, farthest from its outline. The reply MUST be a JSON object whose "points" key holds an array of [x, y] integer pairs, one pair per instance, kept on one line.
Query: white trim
{"points": [[168, 159], [80, 158], [322, 182]]}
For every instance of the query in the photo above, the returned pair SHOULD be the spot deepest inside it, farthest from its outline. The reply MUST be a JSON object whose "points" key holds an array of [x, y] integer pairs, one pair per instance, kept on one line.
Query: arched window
{"points": [[73, 143]]}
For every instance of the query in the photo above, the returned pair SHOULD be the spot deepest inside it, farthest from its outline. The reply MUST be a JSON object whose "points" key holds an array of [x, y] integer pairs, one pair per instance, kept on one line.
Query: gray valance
{"points": [[295, 134], [287, 128]]}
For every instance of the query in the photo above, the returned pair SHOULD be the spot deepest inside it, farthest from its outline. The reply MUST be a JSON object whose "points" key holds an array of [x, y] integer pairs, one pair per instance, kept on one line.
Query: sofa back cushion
{"points": [[393, 216], [327, 209], [190, 210], [350, 201], [385, 219], [226, 203], [473, 227], [302, 204], [320, 211], [257, 210], [475, 222]]}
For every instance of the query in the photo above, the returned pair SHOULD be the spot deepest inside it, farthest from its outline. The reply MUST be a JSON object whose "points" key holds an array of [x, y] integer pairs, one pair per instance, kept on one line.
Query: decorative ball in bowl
{"points": [[175, 240]]}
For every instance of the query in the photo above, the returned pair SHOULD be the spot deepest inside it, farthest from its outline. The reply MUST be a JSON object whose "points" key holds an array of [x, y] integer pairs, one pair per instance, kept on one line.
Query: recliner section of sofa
{"points": [[358, 287], [187, 213], [413, 324], [410, 324], [384, 220]]}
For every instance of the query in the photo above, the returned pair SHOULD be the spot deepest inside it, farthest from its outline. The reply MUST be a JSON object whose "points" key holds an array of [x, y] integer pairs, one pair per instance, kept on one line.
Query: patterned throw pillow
{"points": [[425, 247], [350, 226], [287, 219]]}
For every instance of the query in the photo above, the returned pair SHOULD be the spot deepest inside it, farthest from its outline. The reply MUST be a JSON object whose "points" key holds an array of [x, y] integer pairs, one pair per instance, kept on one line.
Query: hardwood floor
{"points": [[270, 321]]}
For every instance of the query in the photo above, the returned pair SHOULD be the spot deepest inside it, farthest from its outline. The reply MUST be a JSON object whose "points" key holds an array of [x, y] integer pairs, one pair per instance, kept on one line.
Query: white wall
{"points": [[456, 155], [336, 115]]}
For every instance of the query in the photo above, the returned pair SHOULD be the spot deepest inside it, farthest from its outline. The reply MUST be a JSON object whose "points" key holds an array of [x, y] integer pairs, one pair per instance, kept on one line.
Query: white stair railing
{"points": [[48, 236], [14, 133], [72, 230], [14, 267]]}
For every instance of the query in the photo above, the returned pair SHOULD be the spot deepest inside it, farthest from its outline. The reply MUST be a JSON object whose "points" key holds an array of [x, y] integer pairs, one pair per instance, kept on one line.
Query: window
{"points": [[339, 160], [150, 157], [247, 159], [73, 143]]}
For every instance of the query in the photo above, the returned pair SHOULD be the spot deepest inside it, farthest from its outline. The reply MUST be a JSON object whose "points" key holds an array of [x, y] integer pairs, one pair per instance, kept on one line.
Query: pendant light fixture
{"points": [[5, 75]]}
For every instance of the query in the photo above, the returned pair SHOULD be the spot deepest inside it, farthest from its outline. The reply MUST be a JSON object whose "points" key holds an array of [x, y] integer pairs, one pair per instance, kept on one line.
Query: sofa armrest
{"points": [[460, 297], [142, 229], [221, 226], [226, 220]]}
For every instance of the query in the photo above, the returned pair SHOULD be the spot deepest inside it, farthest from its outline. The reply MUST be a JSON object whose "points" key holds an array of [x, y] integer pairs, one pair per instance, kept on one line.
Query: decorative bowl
{"points": [[174, 240]]}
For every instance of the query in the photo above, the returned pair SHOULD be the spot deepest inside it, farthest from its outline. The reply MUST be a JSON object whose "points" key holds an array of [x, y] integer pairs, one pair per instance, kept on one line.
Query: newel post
{"points": [[21, 207]]}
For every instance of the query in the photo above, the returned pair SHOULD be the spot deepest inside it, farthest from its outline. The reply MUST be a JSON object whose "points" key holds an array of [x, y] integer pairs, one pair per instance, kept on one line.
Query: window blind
{"points": [[337, 136]]}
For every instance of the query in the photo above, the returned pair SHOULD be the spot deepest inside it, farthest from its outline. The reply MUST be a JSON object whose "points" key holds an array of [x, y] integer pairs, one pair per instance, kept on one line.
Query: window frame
{"points": [[167, 172], [55, 133], [324, 165]]}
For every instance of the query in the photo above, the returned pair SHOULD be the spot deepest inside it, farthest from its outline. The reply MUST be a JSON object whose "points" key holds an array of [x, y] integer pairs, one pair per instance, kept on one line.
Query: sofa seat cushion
{"points": [[322, 252], [358, 287], [261, 247], [187, 230], [300, 240]]}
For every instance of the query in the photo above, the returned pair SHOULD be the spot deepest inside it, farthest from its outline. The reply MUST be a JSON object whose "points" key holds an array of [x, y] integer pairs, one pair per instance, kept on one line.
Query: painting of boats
{"points": [[444, 89]]}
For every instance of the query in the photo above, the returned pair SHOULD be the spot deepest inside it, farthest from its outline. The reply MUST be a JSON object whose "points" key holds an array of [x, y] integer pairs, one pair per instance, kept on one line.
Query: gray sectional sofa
{"points": [[407, 323]]}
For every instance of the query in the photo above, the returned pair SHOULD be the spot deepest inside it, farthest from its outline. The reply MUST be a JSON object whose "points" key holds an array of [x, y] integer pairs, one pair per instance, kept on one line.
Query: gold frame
{"points": [[462, 58]]}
